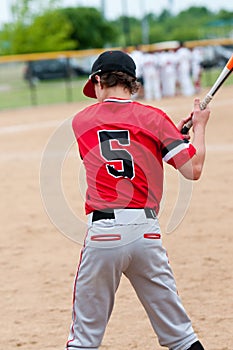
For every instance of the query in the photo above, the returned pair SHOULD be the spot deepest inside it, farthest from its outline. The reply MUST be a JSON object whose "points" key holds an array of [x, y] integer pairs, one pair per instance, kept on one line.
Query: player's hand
{"points": [[181, 124], [200, 117]]}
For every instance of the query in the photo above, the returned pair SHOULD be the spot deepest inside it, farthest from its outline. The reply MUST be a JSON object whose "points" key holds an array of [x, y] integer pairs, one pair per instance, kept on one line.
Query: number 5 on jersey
{"points": [[113, 155]]}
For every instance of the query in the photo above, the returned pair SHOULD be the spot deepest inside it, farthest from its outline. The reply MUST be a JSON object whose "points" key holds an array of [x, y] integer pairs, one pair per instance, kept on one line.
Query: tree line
{"points": [[52, 28]]}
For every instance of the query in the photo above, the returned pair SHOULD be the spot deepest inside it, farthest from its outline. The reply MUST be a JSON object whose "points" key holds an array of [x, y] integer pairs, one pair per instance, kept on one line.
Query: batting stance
{"points": [[123, 144]]}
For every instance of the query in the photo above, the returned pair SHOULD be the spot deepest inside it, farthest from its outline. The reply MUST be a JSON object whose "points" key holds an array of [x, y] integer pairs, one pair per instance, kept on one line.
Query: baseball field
{"points": [[38, 262]]}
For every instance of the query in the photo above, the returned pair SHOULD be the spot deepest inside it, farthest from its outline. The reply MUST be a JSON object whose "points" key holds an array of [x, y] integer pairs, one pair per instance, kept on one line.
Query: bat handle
{"points": [[205, 102], [203, 106]]}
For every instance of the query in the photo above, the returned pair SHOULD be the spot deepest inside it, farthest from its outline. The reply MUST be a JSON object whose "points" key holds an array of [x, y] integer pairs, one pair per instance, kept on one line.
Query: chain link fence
{"points": [[16, 91]]}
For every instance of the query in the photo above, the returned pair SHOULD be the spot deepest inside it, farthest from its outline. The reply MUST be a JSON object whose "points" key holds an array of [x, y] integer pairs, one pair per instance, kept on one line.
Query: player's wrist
{"points": [[199, 125]]}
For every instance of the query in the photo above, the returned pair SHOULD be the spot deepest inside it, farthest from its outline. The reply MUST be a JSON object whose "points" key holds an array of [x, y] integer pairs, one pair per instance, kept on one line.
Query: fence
{"points": [[16, 91], [19, 87]]}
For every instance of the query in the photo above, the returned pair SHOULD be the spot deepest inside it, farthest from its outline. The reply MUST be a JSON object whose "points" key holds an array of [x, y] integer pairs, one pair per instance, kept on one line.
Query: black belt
{"points": [[109, 214]]}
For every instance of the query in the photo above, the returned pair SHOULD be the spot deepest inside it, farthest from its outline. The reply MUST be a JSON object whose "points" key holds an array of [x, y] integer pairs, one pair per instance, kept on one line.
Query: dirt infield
{"points": [[38, 263]]}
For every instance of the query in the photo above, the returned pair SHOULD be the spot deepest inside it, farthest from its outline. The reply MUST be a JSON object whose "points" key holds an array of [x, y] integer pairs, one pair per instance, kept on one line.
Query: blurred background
{"points": [[47, 48]]}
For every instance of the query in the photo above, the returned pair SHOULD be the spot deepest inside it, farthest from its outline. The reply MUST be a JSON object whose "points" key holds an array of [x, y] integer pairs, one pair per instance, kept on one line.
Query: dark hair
{"points": [[115, 78]]}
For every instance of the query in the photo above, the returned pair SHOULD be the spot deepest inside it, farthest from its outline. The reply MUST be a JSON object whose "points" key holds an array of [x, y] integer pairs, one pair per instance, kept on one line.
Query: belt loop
{"points": [[90, 216], [150, 213]]}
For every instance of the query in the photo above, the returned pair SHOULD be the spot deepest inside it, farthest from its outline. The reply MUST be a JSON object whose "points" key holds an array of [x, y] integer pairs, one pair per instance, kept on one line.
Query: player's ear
{"points": [[95, 79], [98, 81]]}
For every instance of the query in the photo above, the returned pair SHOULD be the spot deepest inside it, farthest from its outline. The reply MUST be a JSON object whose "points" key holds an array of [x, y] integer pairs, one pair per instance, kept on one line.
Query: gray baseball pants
{"points": [[131, 245]]}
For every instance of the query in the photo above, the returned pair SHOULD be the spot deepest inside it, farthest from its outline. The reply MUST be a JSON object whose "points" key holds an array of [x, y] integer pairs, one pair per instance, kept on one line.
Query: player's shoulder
{"points": [[82, 120], [85, 112], [149, 117], [149, 109], [86, 109]]}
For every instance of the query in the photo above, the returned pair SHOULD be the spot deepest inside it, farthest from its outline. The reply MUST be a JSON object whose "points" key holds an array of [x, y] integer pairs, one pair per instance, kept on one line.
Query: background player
{"points": [[123, 144], [184, 70], [151, 76]]}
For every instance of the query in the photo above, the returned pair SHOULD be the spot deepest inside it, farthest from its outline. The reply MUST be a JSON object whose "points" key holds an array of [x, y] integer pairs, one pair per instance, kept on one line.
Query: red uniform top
{"points": [[123, 144]]}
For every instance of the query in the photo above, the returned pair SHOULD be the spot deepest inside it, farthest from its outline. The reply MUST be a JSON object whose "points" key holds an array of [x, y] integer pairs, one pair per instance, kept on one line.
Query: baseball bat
{"points": [[225, 73]]}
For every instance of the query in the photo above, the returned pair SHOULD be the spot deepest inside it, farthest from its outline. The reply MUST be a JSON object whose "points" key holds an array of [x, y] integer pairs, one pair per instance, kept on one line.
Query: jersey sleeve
{"points": [[175, 150]]}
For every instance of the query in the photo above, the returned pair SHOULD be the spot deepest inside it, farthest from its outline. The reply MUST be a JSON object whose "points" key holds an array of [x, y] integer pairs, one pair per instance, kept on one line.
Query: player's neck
{"points": [[117, 92]]}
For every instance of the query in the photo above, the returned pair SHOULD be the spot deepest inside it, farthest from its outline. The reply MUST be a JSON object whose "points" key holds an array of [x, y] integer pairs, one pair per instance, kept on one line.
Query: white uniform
{"points": [[168, 73], [151, 76], [184, 57], [196, 67], [137, 56]]}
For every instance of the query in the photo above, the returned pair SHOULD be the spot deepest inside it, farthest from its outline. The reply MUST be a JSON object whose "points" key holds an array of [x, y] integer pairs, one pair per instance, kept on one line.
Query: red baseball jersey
{"points": [[123, 144]]}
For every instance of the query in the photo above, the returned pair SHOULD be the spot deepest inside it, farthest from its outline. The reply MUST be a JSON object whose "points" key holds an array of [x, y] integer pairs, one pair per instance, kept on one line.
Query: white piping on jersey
{"points": [[116, 100], [175, 151]]}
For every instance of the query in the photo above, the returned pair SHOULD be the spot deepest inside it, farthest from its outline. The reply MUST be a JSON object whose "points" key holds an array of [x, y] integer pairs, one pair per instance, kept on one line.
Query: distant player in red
{"points": [[123, 145]]}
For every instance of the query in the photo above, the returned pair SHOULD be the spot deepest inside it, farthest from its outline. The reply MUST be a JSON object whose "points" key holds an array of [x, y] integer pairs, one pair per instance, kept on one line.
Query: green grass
{"points": [[15, 92], [209, 76], [51, 92]]}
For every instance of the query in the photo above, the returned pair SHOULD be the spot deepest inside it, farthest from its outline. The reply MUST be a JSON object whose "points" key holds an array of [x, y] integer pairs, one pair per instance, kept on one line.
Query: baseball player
{"points": [[184, 57], [168, 64], [197, 57], [151, 76], [137, 56], [123, 145]]}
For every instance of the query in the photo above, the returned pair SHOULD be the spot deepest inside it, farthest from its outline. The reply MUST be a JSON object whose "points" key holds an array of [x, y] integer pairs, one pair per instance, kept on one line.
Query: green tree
{"points": [[44, 26], [222, 23], [24, 11], [89, 28], [187, 25], [48, 32], [129, 30]]}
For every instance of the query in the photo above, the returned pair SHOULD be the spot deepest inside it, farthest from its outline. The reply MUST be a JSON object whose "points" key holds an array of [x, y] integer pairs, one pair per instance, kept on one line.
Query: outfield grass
{"points": [[209, 77], [50, 92], [15, 92]]}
